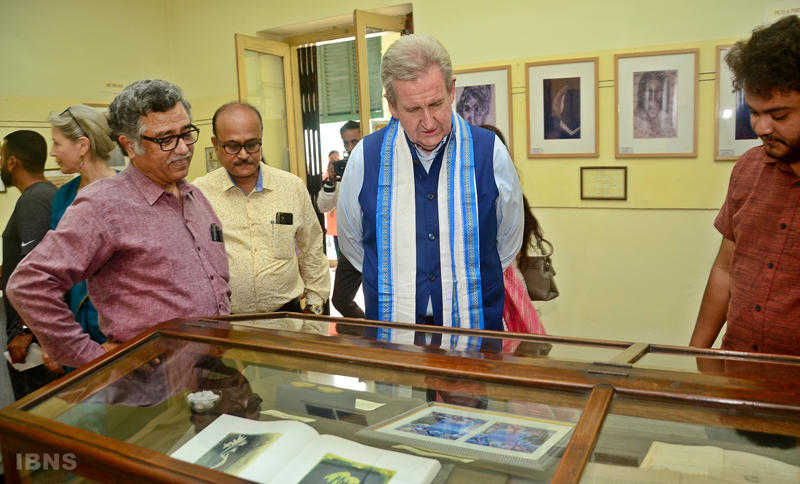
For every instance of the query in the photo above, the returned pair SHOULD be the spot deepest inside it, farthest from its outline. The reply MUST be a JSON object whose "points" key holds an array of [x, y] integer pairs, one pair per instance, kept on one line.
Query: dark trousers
{"points": [[292, 306], [345, 288], [28, 381]]}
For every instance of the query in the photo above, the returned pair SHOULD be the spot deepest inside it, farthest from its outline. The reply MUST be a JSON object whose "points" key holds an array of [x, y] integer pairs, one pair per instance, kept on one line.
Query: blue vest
{"points": [[428, 266]]}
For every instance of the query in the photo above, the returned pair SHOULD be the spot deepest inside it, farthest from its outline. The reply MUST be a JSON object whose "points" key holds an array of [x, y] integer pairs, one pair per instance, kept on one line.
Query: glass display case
{"points": [[239, 399]]}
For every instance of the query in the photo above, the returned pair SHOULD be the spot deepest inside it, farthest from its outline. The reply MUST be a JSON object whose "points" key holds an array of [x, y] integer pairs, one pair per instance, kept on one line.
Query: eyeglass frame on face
{"points": [[76, 121], [255, 144], [176, 137]]}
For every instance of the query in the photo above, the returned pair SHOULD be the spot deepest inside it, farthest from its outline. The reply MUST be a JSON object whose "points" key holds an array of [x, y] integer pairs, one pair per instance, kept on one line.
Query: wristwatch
{"points": [[328, 188], [315, 308], [23, 330]]}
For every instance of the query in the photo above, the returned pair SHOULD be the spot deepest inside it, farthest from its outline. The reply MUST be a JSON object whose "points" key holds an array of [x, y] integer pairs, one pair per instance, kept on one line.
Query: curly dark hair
{"points": [[769, 62]]}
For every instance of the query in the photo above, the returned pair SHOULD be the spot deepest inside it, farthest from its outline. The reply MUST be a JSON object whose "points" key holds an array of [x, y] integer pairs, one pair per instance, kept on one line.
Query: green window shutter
{"points": [[338, 80], [374, 69]]}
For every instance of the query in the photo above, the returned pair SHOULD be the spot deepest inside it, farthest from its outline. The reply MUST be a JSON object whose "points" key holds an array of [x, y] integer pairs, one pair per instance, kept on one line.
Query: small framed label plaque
{"points": [[212, 160], [604, 183]]}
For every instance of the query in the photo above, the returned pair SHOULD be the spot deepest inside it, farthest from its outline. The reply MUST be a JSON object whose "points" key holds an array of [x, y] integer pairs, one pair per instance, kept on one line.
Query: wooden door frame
{"points": [[291, 87]]}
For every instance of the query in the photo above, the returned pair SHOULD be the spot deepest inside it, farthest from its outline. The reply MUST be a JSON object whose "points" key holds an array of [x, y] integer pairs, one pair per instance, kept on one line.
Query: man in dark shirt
{"points": [[754, 280], [23, 156]]}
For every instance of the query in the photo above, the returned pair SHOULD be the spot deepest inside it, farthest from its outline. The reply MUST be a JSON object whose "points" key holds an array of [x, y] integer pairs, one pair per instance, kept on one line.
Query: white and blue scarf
{"points": [[459, 245]]}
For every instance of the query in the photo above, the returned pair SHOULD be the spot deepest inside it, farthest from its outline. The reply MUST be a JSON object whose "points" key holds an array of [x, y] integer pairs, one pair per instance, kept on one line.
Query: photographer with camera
{"points": [[348, 278]]}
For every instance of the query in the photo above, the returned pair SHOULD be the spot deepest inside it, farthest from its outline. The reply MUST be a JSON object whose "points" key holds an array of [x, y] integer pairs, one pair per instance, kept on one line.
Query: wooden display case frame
{"points": [[751, 403]]}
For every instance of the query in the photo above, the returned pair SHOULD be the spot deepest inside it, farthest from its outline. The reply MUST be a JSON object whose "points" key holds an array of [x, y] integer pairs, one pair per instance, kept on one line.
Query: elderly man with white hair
{"points": [[430, 208]]}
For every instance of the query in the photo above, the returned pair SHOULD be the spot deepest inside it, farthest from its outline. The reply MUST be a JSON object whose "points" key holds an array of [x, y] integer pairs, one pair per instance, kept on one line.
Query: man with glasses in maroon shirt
{"points": [[147, 241], [755, 280]]}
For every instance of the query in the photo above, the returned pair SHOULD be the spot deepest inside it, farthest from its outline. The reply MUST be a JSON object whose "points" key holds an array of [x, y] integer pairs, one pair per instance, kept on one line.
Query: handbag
{"points": [[539, 275]]}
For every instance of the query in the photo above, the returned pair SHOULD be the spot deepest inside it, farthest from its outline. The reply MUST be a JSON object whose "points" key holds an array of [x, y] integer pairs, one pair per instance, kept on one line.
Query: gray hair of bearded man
{"points": [[140, 99], [411, 56]]}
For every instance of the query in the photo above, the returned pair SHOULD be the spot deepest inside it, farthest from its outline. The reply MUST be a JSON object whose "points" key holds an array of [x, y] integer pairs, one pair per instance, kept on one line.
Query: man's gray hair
{"points": [[410, 57], [140, 99]]}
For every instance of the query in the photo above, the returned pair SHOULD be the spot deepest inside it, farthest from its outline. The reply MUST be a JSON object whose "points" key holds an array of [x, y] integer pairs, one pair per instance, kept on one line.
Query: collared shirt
{"points": [[259, 182], [427, 158], [147, 258], [761, 215], [266, 270]]}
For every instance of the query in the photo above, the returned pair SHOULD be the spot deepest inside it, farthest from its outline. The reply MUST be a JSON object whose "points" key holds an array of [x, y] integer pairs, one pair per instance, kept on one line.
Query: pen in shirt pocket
{"points": [[216, 233]]}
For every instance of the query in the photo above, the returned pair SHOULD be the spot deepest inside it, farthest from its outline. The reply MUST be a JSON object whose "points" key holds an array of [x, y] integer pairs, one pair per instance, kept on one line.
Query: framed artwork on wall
{"points": [[604, 183], [483, 96], [656, 98], [212, 160], [733, 133], [379, 123], [562, 108], [57, 178]]}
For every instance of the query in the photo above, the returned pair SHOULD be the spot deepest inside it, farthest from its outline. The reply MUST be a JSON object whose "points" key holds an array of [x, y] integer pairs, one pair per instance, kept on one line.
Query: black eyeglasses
{"points": [[169, 143], [236, 148], [74, 119]]}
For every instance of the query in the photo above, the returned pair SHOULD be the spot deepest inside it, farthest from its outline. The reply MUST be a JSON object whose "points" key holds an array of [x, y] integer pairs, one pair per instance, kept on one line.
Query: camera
{"points": [[339, 166]]}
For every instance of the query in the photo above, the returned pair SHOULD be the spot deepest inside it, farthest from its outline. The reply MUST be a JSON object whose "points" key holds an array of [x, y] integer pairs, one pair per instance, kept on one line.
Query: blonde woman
{"points": [[81, 144]]}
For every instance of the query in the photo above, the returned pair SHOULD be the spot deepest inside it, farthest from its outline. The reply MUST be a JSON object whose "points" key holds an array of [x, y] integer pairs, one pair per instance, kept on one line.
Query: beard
{"points": [[5, 176], [785, 151]]}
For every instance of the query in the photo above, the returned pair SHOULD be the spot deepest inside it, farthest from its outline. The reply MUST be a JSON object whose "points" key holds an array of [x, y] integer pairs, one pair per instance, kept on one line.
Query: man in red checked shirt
{"points": [[755, 280], [147, 241]]}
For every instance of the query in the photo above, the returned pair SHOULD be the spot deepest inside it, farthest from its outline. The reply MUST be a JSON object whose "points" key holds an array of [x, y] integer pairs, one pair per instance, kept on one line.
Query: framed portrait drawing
{"points": [[733, 133], [604, 183], [562, 108], [656, 98], [483, 96]]}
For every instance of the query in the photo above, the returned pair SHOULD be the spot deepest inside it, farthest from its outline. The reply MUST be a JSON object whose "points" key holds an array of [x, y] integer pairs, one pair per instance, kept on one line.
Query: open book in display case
{"points": [[224, 400]]}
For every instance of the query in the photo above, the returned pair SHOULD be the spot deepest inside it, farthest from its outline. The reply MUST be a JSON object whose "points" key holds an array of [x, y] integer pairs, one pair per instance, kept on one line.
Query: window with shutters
{"points": [[338, 81]]}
